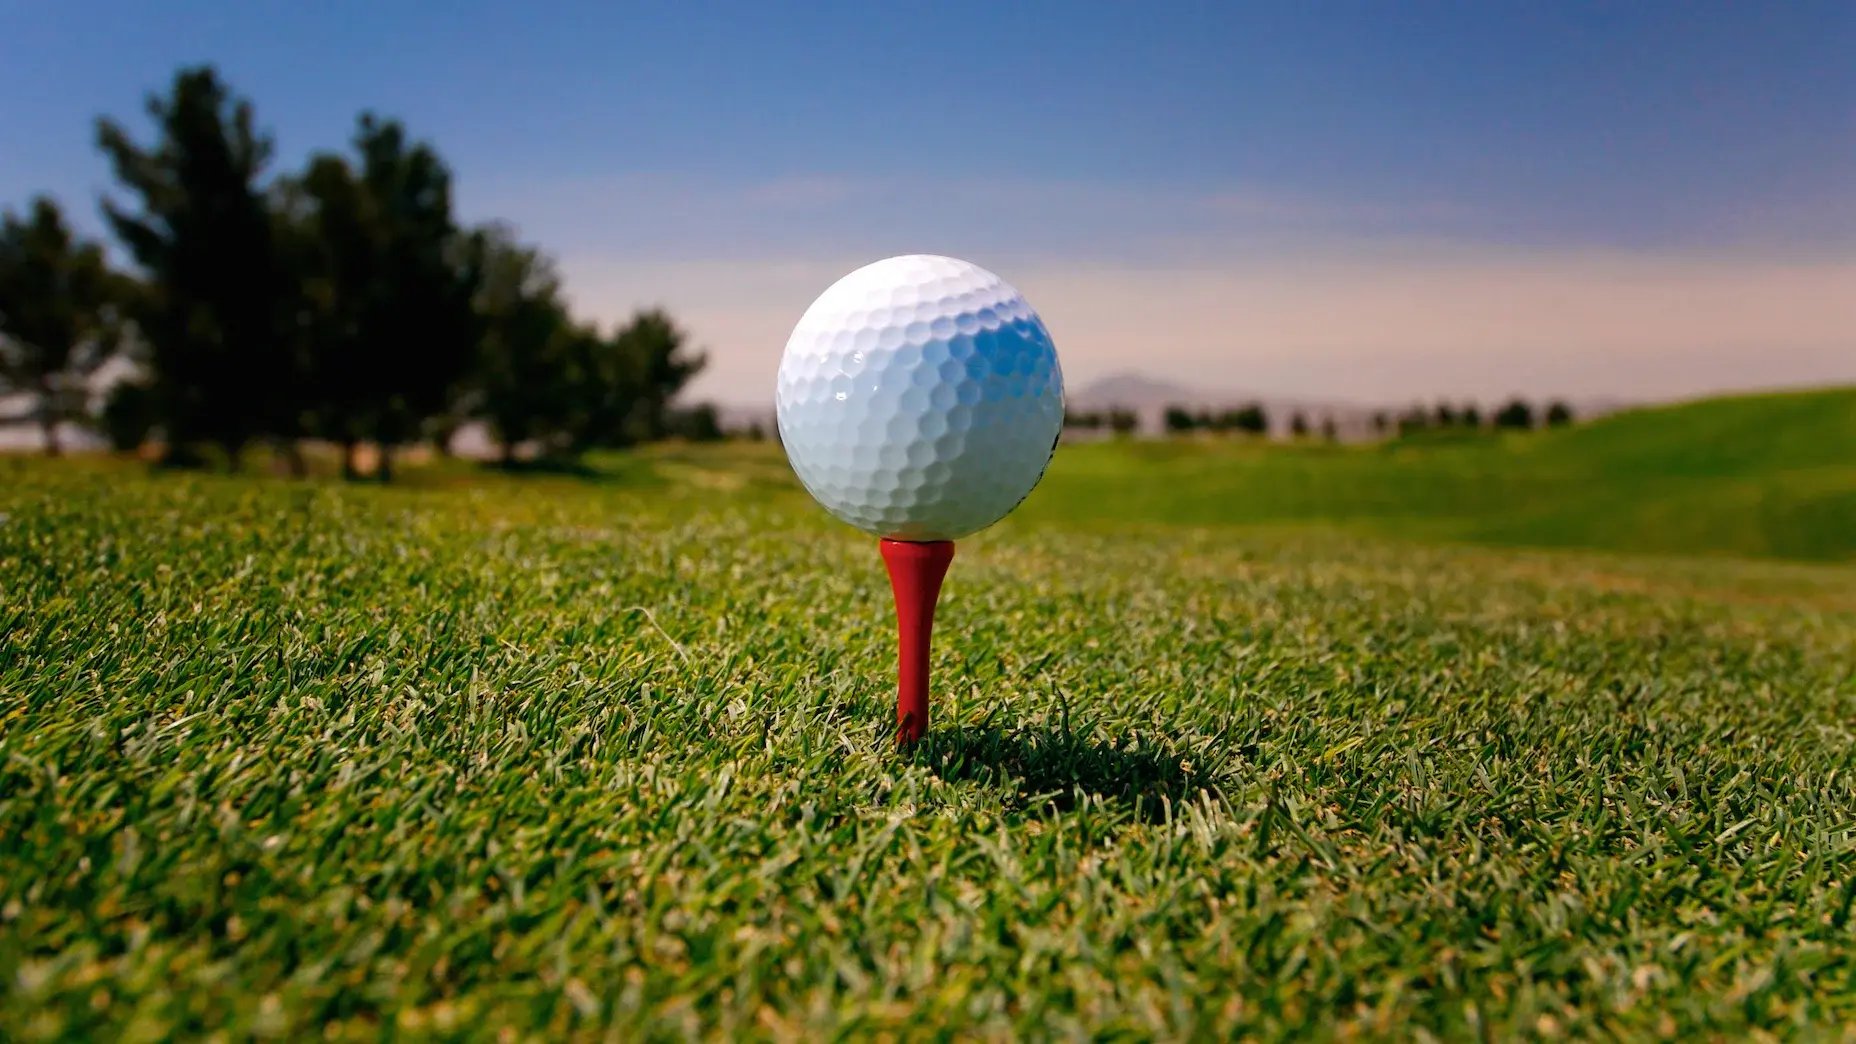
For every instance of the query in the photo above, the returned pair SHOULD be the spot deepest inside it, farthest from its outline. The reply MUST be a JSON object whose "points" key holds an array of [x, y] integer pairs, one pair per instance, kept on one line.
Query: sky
{"points": [[1365, 201]]}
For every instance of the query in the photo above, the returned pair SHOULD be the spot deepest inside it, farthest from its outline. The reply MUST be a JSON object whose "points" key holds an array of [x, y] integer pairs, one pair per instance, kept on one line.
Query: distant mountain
{"points": [[1130, 389]]}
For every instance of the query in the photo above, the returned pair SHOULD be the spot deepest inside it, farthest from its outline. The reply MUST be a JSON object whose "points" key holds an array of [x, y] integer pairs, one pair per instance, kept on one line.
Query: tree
{"points": [[698, 423], [520, 383], [1516, 414], [389, 322], [320, 238], [60, 315], [1178, 420], [605, 386], [1382, 422], [659, 350], [128, 416], [1414, 420], [1251, 419], [565, 386], [1298, 424], [422, 324], [1330, 431], [1472, 416], [1122, 421], [222, 366], [1559, 414], [1446, 415]]}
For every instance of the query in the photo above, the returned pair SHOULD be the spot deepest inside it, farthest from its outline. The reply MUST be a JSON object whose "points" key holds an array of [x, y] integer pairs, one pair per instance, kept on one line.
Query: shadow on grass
{"points": [[1054, 770]]}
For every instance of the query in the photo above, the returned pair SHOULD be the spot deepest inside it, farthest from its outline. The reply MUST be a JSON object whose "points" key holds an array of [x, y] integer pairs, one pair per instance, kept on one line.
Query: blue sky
{"points": [[1215, 188]]}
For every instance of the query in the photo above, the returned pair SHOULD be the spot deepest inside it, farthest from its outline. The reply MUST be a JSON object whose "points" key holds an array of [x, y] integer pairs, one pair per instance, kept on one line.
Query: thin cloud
{"points": [[1392, 328], [683, 218], [1242, 287]]}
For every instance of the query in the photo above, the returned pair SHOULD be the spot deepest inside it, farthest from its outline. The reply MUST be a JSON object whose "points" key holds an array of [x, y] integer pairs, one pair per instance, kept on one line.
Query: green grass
{"points": [[531, 758], [1755, 475]]}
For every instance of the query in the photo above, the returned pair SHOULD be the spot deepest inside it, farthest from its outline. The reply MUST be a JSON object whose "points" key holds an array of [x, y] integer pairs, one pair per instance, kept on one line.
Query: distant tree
{"points": [[1178, 420], [664, 363], [321, 230], [1516, 414], [221, 362], [1445, 415], [1252, 419], [1330, 431], [604, 387], [520, 384], [1472, 416], [1414, 420], [425, 307], [1206, 420], [1559, 414], [1123, 422], [698, 423], [565, 386], [128, 416], [1382, 422], [1298, 424], [60, 316], [390, 320], [1082, 420], [756, 432]]}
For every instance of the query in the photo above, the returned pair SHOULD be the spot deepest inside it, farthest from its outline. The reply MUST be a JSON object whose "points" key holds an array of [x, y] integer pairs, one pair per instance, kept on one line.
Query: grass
{"points": [[527, 758], [1766, 475]]}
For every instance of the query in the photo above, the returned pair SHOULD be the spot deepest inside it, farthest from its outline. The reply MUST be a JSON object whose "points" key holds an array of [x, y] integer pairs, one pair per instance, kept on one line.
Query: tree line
{"points": [[1253, 418], [342, 302], [1517, 414]]}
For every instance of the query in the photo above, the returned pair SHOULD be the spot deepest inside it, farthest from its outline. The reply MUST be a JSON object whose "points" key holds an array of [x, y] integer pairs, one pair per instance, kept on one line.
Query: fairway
{"points": [[556, 755], [561, 755], [1753, 475]]}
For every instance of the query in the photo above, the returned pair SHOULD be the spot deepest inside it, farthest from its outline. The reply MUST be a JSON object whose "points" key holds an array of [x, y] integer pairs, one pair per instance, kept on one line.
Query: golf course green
{"points": [[1543, 734]]}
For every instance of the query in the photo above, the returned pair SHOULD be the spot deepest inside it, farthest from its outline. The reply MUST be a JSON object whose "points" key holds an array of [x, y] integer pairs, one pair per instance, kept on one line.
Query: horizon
{"points": [[1646, 204]]}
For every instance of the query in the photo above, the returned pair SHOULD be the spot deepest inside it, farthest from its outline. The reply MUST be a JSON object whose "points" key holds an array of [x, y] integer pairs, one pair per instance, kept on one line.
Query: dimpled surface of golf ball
{"points": [[919, 398]]}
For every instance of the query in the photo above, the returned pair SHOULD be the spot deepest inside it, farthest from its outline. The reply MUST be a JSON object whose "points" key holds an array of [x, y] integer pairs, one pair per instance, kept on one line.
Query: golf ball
{"points": [[919, 398]]}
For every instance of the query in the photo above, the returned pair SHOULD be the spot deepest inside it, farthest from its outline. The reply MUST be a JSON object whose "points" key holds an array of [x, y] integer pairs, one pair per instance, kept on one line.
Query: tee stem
{"points": [[915, 574]]}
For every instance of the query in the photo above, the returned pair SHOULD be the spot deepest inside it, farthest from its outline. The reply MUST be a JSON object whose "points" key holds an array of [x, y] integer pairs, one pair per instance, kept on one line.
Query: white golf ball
{"points": [[919, 398]]}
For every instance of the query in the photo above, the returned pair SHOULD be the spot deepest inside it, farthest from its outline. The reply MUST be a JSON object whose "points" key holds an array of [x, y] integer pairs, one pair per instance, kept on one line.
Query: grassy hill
{"points": [[1754, 475]]}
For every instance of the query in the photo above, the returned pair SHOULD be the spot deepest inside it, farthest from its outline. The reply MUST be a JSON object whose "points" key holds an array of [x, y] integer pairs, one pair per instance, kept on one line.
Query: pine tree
{"points": [[216, 314], [60, 316]]}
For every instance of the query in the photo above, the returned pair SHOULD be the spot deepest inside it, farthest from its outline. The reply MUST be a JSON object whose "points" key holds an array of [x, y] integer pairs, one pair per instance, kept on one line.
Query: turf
{"points": [[1765, 475], [541, 757]]}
